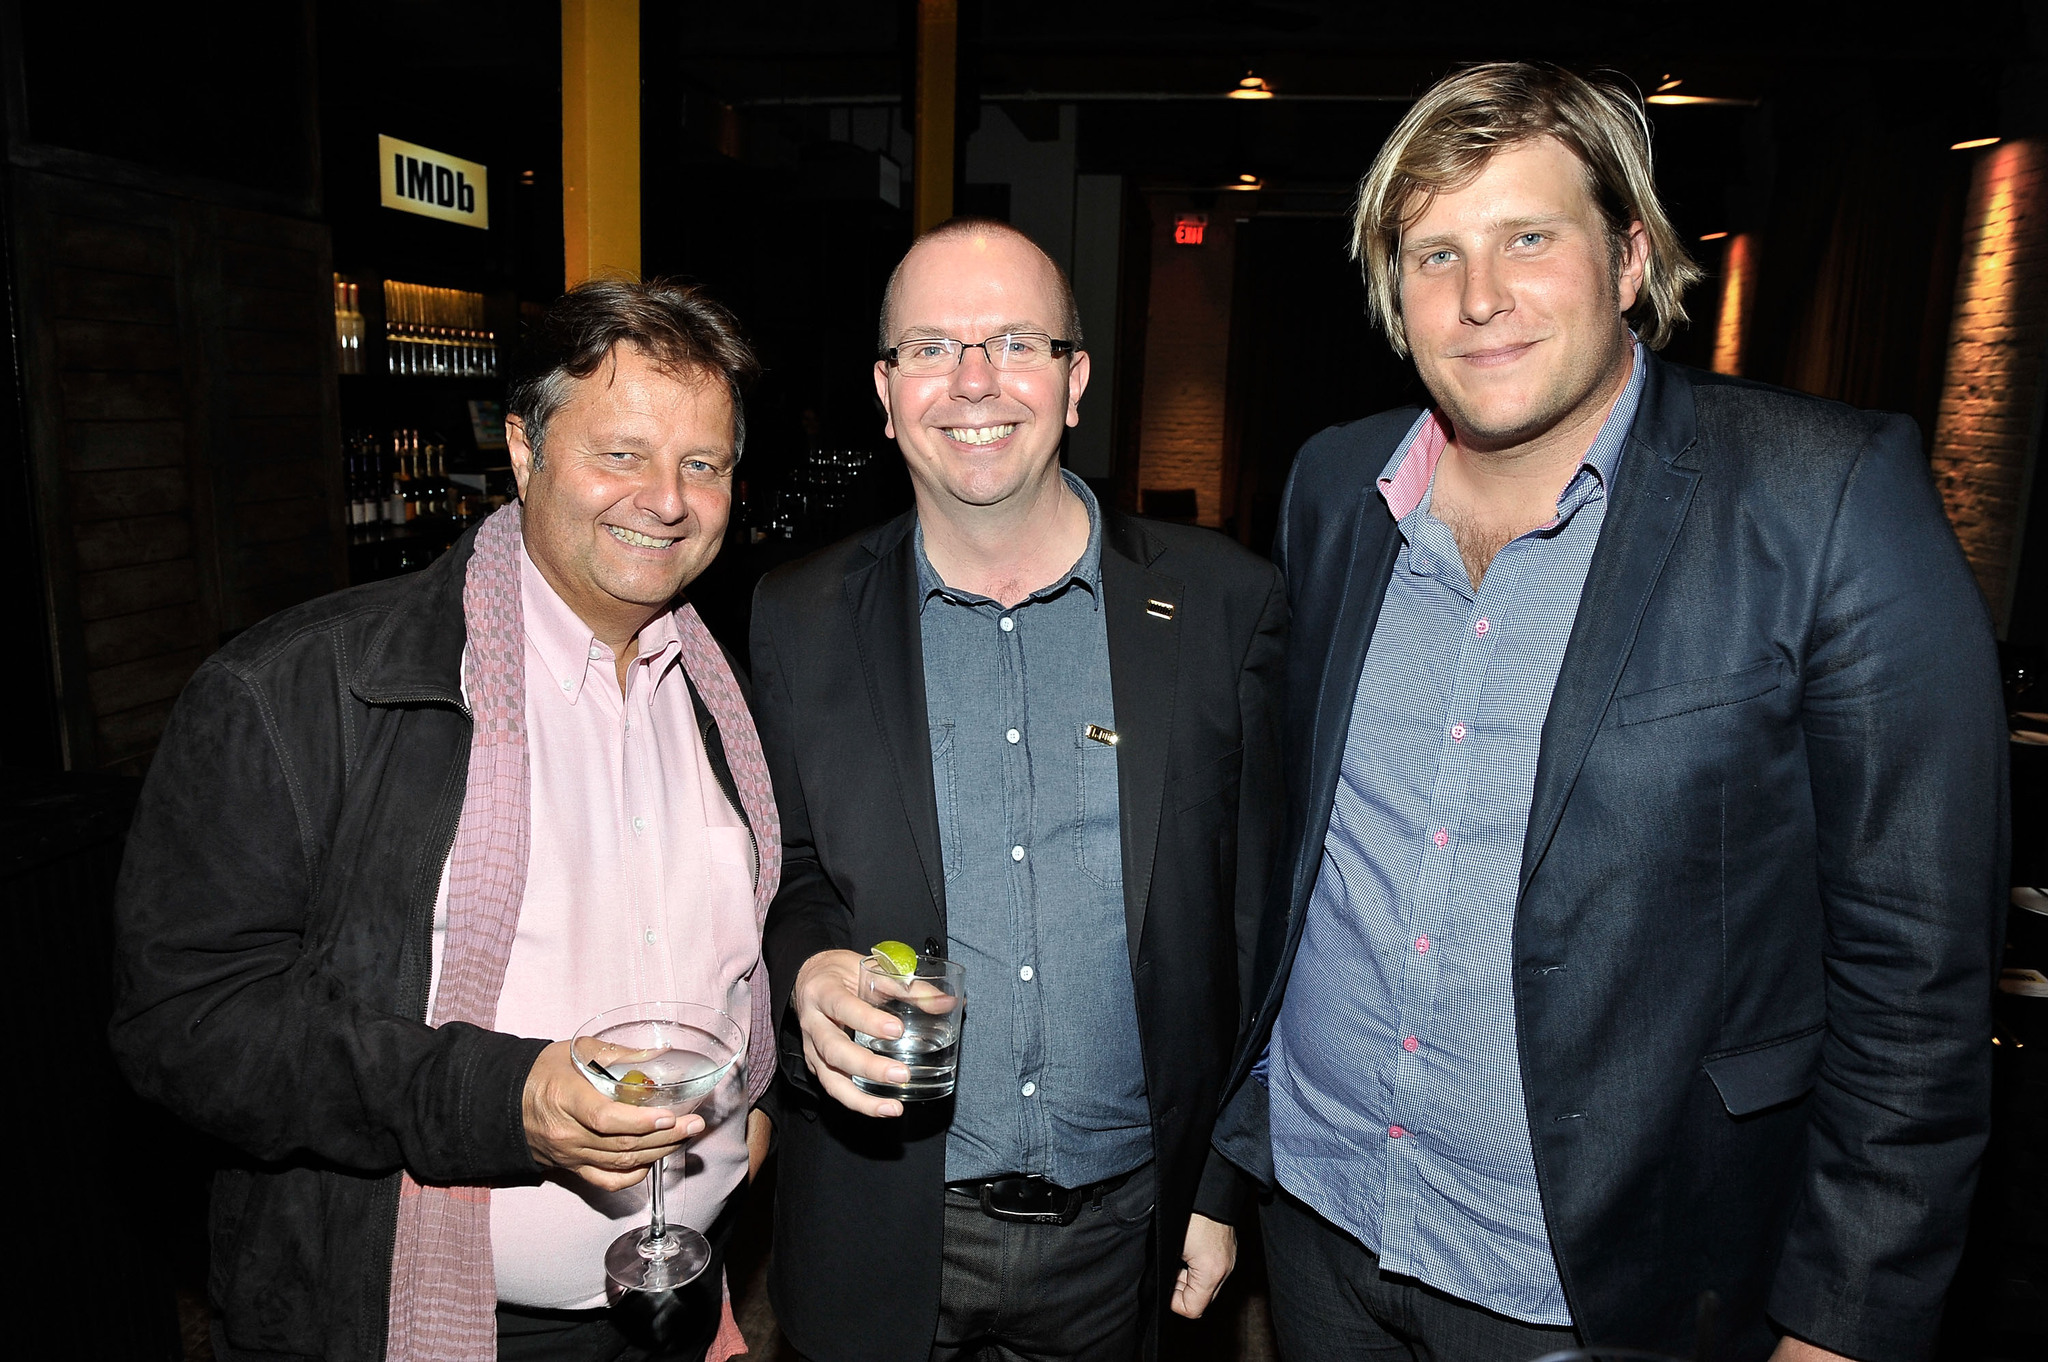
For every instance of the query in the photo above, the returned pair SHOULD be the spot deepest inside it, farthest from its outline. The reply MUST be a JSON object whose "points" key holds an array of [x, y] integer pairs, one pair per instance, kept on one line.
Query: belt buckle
{"points": [[1035, 1201]]}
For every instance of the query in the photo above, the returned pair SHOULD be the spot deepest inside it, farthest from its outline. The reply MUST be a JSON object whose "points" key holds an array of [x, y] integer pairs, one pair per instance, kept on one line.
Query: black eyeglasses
{"points": [[1013, 352]]}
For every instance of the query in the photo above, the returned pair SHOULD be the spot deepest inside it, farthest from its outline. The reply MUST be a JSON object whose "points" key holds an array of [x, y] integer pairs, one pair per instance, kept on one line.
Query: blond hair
{"points": [[1467, 118]]}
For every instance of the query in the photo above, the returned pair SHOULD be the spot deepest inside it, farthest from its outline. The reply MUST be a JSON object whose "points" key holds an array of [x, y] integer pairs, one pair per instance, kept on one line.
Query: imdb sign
{"points": [[433, 183]]}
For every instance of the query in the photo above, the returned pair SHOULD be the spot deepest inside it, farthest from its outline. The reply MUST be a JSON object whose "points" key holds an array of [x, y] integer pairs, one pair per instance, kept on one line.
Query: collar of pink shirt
{"points": [[567, 646]]}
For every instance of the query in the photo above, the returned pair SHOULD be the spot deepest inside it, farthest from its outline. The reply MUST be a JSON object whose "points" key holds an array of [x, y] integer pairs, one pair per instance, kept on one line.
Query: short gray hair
{"points": [[674, 324]]}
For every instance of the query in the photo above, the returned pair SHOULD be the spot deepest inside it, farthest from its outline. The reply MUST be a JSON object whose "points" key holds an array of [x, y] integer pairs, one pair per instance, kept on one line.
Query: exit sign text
{"points": [[1188, 228]]}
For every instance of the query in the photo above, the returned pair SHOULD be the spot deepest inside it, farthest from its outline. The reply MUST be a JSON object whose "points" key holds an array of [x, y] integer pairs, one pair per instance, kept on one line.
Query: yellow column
{"points": [[938, 55], [600, 138]]}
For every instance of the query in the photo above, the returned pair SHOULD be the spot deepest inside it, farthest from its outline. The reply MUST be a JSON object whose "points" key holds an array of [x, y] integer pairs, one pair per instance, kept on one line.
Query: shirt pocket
{"points": [[731, 846], [1096, 826], [946, 794]]}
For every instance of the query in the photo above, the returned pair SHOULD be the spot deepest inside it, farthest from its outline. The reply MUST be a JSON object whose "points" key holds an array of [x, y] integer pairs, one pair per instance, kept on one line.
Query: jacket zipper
{"points": [[447, 849]]}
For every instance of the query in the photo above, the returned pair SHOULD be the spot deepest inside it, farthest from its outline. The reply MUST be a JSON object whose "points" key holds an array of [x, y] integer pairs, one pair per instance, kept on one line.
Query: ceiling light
{"points": [[1713, 236], [1248, 179], [1669, 84], [1700, 99], [1247, 182], [1251, 87], [1974, 143]]}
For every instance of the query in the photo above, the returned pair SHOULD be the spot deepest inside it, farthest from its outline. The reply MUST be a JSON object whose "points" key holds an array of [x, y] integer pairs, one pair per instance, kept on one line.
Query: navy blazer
{"points": [[1763, 881]]}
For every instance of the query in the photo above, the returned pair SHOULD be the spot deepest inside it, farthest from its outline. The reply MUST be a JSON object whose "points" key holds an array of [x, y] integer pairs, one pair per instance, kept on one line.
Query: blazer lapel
{"points": [[1353, 573], [1142, 608], [882, 597], [1646, 505]]}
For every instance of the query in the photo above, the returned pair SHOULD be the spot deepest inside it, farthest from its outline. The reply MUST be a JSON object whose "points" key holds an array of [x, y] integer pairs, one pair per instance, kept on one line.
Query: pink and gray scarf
{"points": [[443, 1289]]}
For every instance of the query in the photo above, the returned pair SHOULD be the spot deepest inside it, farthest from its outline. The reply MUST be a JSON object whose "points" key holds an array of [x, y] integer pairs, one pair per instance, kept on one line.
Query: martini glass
{"points": [[663, 1054]]}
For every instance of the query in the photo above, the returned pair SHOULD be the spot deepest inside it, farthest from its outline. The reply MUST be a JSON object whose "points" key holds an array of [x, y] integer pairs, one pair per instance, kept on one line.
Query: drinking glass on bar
{"points": [[929, 1001]]}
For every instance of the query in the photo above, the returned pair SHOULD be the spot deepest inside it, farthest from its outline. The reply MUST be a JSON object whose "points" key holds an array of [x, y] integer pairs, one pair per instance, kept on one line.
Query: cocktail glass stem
{"points": [[657, 1244]]}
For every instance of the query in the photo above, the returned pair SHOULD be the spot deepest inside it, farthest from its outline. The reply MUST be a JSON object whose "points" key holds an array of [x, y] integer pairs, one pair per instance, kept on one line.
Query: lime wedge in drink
{"points": [[900, 959]]}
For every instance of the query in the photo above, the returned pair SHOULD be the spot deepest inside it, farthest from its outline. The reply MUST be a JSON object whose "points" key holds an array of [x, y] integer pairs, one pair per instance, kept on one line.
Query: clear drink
{"points": [[930, 1003], [661, 1054], [675, 1078]]}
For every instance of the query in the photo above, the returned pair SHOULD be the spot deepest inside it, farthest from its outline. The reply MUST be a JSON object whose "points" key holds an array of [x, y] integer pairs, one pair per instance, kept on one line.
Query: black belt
{"points": [[1035, 1201]]}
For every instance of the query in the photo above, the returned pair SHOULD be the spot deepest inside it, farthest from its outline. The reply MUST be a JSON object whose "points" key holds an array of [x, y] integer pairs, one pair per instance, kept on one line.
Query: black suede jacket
{"points": [[274, 944]]}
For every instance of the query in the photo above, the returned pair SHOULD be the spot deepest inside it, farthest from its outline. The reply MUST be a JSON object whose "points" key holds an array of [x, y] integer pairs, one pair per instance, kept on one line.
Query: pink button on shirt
{"points": [[639, 888]]}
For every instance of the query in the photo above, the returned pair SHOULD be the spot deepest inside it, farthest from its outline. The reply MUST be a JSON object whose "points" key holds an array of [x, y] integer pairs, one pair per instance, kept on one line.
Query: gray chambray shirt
{"points": [[1051, 1078]]}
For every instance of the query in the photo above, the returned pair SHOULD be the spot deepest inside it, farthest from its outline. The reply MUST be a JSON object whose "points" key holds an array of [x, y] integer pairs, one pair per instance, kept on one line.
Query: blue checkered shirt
{"points": [[1396, 1095], [1052, 1081]]}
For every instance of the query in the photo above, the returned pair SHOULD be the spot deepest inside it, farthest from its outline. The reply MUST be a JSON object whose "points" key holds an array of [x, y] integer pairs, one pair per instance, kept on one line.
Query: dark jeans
{"points": [[1330, 1300], [687, 1322], [569, 1336], [1010, 1292]]}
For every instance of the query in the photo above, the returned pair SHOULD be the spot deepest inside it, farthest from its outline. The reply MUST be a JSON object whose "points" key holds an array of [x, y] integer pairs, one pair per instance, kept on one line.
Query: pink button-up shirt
{"points": [[639, 888]]}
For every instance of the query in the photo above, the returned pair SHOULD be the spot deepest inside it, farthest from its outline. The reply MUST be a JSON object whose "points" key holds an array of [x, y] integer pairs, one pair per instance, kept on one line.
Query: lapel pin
{"points": [[1162, 610], [1097, 733]]}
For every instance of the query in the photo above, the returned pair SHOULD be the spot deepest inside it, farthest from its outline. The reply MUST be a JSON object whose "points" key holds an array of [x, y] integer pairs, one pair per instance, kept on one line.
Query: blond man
{"points": [[1630, 966]]}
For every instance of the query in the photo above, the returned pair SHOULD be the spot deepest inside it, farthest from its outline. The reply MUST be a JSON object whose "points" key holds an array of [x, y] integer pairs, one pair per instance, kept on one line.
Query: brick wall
{"points": [[1738, 292], [1998, 347], [1187, 357]]}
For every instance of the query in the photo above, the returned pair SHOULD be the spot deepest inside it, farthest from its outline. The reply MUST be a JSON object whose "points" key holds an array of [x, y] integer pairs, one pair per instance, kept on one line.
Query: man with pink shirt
{"points": [[400, 842]]}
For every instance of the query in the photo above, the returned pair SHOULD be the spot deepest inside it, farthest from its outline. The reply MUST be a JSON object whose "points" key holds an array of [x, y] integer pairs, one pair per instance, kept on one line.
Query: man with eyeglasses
{"points": [[1019, 728]]}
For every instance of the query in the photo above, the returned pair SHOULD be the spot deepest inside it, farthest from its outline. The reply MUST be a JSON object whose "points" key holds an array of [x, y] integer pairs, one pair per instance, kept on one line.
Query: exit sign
{"points": [[1188, 228]]}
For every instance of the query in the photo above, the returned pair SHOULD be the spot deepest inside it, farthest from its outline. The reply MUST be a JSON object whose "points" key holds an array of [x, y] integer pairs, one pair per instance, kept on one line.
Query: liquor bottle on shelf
{"points": [[348, 327], [444, 504], [394, 497]]}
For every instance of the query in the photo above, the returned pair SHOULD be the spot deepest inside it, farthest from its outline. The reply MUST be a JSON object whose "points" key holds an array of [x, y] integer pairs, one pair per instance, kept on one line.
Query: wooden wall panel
{"points": [[180, 379], [104, 544]]}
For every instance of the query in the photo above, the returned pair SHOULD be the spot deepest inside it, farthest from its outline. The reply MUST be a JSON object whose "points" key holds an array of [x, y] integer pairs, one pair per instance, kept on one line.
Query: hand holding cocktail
{"points": [[572, 1126], [669, 1056]]}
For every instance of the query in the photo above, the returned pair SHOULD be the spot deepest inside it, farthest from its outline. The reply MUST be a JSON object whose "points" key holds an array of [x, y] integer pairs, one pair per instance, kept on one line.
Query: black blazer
{"points": [[1764, 871], [1196, 630]]}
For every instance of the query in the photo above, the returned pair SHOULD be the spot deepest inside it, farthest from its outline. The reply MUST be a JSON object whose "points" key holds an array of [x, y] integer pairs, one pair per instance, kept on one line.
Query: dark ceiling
{"points": [[1325, 47], [1149, 77]]}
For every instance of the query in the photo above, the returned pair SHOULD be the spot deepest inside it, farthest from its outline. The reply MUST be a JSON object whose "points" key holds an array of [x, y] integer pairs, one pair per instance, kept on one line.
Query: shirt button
{"points": [[1008, 624], [1028, 1089], [650, 936], [1411, 1045], [1016, 853], [1396, 1131], [639, 825], [1441, 838], [595, 652], [1421, 944], [1025, 974], [1481, 628], [1014, 736], [1457, 732], [568, 685]]}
